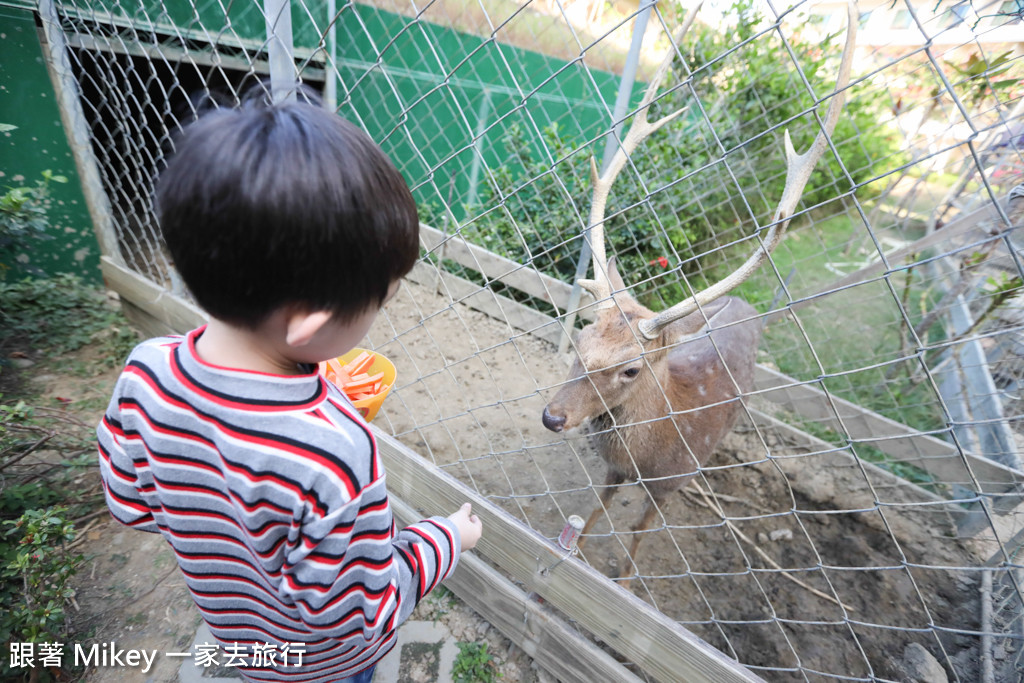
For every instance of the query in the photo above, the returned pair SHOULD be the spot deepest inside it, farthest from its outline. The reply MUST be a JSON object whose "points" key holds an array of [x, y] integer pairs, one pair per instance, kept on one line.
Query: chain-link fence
{"points": [[861, 521]]}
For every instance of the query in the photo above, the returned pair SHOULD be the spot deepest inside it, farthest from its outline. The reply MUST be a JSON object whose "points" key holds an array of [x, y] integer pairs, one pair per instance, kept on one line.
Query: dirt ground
{"points": [[469, 397]]}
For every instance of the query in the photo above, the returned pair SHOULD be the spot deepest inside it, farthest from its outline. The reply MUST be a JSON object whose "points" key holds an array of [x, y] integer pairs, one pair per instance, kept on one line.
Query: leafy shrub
{"points": [[61, 314], [35, 564], [36, 570], [23, 216], [474, 664], [18, 435], [537, 213], [51, 316], [696, 187]]}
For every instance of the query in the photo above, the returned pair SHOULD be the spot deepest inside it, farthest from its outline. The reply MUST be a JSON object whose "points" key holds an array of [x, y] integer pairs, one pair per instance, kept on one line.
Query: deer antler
{"points": [[798, 172], [641, 127]]}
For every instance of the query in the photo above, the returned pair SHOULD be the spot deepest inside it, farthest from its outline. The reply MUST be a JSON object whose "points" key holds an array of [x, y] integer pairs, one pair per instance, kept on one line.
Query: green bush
{"points": [[35, 574], [535, 210], [694, 189], [23, 216], [61, 314]]}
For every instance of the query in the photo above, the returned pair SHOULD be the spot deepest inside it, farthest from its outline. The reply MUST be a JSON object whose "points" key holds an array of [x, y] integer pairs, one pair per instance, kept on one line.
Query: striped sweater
{"points": [[270, 491]]}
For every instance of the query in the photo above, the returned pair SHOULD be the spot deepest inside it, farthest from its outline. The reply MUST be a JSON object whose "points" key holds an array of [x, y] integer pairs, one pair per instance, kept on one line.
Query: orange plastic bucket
{"points": [[368, 407]]}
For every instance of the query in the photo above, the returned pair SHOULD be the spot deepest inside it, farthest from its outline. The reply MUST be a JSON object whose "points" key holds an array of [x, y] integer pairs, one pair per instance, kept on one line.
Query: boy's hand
{"points": [[470, 526]]}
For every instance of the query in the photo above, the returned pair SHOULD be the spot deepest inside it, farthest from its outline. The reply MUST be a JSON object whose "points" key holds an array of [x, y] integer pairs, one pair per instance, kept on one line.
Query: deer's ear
{"points": [[691, 324], [618, 286]]}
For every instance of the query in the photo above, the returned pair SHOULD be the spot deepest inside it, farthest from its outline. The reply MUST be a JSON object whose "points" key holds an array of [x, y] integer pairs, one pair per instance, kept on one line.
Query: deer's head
{"points": [[611, 362]]}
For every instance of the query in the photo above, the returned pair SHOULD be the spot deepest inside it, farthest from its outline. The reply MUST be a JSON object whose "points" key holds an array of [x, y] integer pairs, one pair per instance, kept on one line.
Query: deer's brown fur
{"points": [[666, 419]]}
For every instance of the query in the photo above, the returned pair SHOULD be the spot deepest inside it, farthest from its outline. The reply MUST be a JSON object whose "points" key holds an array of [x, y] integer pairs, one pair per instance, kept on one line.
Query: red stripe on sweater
{"points": [[254, 406], [208, 444], [255, 439]]}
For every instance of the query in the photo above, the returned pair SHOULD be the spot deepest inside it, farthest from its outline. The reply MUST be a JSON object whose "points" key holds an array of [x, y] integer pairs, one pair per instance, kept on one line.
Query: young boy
{"points": [[291, 228]]}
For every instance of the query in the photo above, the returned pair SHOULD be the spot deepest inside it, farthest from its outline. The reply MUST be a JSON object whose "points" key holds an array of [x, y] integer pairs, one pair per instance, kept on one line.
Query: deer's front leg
{"points": [[611, 486], [628, 566]]}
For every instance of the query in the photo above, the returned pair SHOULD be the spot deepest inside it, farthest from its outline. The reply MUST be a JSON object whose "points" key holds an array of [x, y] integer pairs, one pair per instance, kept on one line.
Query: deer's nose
{"points": [[553, 422]]}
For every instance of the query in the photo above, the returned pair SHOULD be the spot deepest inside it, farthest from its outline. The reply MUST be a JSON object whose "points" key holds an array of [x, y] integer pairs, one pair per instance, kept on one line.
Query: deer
{"points": [[660, 390]]}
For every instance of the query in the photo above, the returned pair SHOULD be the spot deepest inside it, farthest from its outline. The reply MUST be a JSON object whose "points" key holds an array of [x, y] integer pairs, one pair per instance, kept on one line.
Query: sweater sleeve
{"points": [[119, 475], [353, 579]]}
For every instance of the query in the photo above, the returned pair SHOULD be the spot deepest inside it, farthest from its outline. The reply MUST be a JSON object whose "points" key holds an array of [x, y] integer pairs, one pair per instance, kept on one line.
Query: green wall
{"points": [[423, 91], [27, 101], [239, 20], [436, 89]]}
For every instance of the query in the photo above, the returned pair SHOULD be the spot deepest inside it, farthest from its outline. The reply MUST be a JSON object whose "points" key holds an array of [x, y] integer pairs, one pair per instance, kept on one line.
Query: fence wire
{"points": [[862, 521]]}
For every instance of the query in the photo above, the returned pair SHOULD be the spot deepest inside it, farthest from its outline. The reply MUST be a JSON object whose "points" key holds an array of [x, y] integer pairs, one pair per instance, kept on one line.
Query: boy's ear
{"points": [[303, 326]]}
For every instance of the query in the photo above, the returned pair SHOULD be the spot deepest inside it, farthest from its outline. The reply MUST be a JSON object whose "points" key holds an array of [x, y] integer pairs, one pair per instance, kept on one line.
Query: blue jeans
{"points": [[364, 676]]}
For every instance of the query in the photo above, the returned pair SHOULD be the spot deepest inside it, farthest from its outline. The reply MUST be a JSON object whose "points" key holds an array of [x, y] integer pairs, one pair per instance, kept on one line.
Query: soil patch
{"points": [[469, 397]]}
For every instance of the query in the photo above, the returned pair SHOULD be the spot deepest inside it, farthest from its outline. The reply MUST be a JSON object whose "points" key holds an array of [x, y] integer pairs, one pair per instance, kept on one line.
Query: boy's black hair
{"points": [[265, 206]]}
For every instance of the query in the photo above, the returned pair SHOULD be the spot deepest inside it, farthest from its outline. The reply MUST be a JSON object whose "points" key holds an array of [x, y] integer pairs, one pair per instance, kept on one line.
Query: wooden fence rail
{"points": [[641, 634], [658, 645]]}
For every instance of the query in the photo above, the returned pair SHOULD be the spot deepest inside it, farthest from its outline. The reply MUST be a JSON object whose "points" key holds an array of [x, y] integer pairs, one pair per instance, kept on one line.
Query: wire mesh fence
{"points": [[862, 518]]}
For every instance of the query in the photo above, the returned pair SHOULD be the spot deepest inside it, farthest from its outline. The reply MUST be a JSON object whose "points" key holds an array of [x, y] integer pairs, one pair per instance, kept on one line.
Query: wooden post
{"points": [[537, 630], [58, 65]]}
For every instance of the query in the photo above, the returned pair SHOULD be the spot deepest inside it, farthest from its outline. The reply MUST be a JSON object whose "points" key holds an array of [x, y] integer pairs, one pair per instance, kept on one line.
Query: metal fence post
{"points": [[330, 68], [611, 145], [280, 50]]}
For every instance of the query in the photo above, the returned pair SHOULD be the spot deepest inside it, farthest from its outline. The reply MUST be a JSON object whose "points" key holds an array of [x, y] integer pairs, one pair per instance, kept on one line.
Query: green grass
{"points": [[804, 248], [844, 334], [914, 475]]}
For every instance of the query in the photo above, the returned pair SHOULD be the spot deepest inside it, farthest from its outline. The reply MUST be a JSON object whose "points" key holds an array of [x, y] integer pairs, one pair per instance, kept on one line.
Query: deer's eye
{"points": [[631, 372]]}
